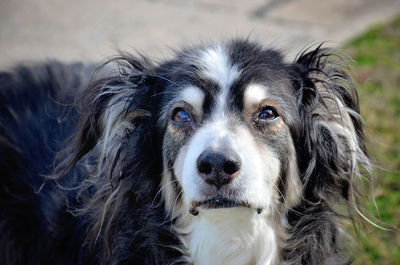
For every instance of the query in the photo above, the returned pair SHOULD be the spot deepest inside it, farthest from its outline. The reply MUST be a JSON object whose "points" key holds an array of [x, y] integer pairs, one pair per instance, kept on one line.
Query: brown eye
{"points": [[268, 113], [180, 116]]}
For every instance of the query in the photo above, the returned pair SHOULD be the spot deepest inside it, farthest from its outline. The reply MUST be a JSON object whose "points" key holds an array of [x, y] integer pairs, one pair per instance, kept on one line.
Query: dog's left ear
{"points": [[117, 105], [330, 144], [117, 151]]}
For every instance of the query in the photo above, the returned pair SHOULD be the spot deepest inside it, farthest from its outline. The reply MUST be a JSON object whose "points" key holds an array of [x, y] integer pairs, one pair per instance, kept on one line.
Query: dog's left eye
{"points": [[268, 113], [180, 116]]}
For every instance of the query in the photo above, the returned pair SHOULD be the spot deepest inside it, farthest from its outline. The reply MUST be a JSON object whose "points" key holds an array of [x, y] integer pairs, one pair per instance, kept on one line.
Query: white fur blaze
{"points": [[216, 66]]}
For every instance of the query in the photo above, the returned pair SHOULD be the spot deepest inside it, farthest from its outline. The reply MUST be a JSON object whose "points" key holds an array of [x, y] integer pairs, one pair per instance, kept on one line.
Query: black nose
{"points": [[218, 168]]}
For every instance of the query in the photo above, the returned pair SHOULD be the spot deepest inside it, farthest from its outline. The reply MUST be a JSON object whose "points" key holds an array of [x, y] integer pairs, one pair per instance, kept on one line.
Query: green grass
{"points": [[376, 56]]}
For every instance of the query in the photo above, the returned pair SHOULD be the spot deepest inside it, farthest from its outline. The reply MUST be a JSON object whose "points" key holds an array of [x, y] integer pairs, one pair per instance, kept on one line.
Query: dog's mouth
{"points": [[218, 203]]}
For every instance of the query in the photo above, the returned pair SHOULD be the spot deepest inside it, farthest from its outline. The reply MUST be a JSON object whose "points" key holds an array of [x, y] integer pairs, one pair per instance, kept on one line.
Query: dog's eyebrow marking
{"points": [[254, 94], [216, 66], [193, 96]]}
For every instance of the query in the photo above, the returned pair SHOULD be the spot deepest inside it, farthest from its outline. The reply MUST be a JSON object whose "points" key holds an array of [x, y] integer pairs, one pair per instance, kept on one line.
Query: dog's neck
{"points": [[230, 236]]}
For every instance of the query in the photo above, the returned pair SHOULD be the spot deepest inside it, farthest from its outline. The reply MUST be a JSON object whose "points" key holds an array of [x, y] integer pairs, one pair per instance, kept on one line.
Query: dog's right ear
{"points": [[332, 143], [117, 101]]}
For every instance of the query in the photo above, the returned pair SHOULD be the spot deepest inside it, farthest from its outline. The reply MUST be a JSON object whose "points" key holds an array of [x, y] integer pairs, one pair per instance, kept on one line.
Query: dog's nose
{"points": [[218, 168]]}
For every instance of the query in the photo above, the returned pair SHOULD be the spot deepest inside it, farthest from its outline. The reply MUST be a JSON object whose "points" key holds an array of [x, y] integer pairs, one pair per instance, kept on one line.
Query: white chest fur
{"points": [[236, 236]]}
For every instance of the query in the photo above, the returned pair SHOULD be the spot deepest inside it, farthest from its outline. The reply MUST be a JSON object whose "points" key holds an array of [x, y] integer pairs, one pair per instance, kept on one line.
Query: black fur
{"points": [[68, 196]]}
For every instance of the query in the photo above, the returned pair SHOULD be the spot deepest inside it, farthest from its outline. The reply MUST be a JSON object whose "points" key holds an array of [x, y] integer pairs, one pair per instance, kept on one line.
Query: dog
{"points": [[223, 154]]}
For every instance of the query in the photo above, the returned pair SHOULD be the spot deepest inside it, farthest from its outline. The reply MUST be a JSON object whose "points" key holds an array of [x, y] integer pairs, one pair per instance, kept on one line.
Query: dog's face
{"points": [[229, 114]]}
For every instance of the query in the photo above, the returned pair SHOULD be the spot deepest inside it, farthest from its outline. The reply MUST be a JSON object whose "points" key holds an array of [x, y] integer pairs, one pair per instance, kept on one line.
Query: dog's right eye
{"points": [[180, 116], [268, 113]]}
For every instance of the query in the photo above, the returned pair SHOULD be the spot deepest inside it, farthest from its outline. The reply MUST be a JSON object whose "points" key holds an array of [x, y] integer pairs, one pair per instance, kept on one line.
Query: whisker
{"points": [[161, 189]]}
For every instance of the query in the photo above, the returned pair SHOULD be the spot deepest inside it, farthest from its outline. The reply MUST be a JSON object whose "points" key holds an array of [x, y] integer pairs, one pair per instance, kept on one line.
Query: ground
{"points": [[376, 64]]}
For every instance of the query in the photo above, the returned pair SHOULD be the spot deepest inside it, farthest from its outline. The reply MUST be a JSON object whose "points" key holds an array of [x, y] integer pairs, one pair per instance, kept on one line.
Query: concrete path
{"points": [[91, 30]]}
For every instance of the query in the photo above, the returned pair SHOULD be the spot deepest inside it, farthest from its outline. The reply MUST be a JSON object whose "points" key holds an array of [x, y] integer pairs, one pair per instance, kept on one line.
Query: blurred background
{"points": [[367, 30], [91, 30]]}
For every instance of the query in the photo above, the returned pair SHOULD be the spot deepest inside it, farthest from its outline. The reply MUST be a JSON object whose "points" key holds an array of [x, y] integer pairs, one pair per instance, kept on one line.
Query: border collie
{"points": [[224, 154]]}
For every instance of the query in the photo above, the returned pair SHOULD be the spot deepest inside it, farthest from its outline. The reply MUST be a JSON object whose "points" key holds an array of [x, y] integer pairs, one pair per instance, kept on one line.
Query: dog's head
{"points": [[230, 113], [222, 126], [242, 128]]}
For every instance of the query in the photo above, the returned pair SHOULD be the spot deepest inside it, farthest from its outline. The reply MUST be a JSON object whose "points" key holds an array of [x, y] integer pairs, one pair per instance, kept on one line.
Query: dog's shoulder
{"points": [[37, 114], [37, 102]]}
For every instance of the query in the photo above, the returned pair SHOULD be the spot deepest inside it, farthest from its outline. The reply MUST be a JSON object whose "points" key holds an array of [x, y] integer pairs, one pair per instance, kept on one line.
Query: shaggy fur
{"points": [[94, 166]]}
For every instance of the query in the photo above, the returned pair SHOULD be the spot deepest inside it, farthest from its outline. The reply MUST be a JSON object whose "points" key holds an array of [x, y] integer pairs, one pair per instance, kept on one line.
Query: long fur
{"points": [[81, 160]]}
